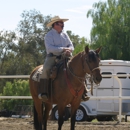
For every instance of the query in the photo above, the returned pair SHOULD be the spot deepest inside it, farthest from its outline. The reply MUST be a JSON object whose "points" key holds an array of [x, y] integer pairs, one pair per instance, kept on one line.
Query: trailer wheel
{"points": [[81, 114], [55, 114]]}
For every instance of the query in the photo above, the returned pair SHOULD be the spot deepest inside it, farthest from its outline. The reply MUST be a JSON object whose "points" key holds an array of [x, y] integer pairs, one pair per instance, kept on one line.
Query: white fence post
{"points": [[120, 97]]}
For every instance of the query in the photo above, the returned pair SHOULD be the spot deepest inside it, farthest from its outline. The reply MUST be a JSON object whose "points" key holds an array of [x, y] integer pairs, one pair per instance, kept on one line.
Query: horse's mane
{"points": [[91, 55], [78, 54]]}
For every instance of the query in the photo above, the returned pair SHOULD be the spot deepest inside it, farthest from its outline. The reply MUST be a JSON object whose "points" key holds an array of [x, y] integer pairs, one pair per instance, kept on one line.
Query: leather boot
{"points": [[43, 90], [85, 96]]}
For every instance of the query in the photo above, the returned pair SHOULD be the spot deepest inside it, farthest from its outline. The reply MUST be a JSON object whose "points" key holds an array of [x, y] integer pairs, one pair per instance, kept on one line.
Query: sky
{"points": [[74, 10]]}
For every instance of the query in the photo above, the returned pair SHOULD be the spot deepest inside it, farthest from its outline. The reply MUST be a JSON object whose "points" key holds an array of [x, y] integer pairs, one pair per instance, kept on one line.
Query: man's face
{"points": [[59, 25]]}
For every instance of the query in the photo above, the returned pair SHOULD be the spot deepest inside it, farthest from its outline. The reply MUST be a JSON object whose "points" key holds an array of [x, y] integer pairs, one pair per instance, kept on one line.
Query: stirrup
{"points": [[40, 96], [43, 97]]}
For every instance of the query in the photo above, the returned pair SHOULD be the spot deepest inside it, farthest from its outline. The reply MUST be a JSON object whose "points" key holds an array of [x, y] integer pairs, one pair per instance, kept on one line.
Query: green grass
{"points": [[94, 120]]}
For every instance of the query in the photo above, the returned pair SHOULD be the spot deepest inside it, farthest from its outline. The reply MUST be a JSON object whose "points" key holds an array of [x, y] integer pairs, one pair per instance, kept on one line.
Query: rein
{"points": [[79, 78], [75, 93]]}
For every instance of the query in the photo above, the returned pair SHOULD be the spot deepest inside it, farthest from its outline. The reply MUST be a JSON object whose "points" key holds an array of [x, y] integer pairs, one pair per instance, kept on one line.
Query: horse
{"points": [[66, 88]]}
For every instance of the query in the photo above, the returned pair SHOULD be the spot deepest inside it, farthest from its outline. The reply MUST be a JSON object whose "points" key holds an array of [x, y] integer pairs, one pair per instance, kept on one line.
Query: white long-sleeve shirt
{"points": [[55, 42]]}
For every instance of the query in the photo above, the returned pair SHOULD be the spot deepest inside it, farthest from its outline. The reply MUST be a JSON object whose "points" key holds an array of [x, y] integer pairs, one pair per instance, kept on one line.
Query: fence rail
{"points": [[14, 76], [120, 97]]}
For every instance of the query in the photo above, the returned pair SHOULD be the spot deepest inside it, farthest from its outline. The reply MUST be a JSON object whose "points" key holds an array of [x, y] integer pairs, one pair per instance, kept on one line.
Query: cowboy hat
{"points": [[55, 19]]}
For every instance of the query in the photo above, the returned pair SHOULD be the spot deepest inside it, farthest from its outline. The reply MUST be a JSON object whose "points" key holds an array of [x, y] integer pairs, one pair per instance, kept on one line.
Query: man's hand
{"points": [[67, 52], [67, 49]]}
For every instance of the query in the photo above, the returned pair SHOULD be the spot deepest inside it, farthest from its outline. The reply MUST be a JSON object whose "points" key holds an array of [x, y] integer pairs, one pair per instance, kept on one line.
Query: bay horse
{"points": [[67, 88]]}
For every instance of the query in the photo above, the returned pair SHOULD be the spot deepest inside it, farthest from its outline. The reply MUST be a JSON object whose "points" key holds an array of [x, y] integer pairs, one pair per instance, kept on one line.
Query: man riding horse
{"points": [[56, 42]]}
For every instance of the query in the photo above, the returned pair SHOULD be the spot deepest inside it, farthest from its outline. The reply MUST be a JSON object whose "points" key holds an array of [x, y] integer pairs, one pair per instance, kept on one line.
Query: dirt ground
{"points": [[27, 124]]}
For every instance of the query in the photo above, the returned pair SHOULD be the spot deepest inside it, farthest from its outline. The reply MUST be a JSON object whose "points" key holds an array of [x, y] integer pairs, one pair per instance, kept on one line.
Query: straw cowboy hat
{"points": [[55, 19]]}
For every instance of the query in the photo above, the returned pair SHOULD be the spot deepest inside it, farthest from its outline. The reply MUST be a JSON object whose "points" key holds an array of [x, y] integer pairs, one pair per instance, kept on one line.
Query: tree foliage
{"points": [[79, 43], [17, 88], [32, 29], [111, 21], [21, 51], [7, 39]]}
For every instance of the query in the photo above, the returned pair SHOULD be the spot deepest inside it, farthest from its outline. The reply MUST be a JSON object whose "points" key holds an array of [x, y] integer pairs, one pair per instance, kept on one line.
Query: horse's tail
{"points": [[37, 124]]}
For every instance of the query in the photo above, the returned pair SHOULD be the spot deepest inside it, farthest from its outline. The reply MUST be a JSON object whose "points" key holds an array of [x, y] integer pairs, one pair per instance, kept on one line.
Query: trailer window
{"points": [[106, 74], [122, 75]]}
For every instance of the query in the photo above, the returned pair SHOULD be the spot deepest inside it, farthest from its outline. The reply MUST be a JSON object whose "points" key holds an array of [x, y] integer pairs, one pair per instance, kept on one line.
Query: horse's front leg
{"points": [[46, 115], [73, 116], [61, 111], [74, 108]]}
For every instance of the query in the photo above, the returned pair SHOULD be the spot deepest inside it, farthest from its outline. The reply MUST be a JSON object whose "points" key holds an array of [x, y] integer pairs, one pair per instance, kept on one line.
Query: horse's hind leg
{"points": [[37, 124], [46, 114], [38, 115]]}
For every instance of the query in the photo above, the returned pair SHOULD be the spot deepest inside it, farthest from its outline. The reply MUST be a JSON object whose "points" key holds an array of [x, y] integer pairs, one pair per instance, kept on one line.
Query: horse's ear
{"points": [[86, 49], [98, 50]]}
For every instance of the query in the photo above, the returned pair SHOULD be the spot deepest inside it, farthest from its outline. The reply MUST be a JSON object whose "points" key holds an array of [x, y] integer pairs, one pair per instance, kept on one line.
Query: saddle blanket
{"points": [[36, 76]]}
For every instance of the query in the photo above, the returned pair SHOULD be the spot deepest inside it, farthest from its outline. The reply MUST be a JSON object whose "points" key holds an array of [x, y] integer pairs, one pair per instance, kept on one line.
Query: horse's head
{"points": [[91, 64]]}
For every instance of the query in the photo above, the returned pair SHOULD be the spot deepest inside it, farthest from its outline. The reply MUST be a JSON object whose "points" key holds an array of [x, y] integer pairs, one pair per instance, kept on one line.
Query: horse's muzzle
{"points": [[97, 79]]}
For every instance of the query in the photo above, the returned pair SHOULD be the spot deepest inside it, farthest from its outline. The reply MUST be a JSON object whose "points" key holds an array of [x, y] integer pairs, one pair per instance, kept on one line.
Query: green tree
{"points": [[18, 88], [81, 46], [111, 21], [74, 38], [79, 43], [20, 53], [31, 49], [7, 39]]}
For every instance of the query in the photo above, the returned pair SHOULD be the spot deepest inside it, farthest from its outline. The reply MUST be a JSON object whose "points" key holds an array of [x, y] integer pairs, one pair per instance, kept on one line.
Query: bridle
{"points": [[91, 70], [76, 93], [78, 77], [82, 79]]}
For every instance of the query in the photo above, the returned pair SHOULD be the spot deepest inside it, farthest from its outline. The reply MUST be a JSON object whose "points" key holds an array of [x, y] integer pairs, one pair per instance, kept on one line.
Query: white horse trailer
{"points": [[105, 109]]}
